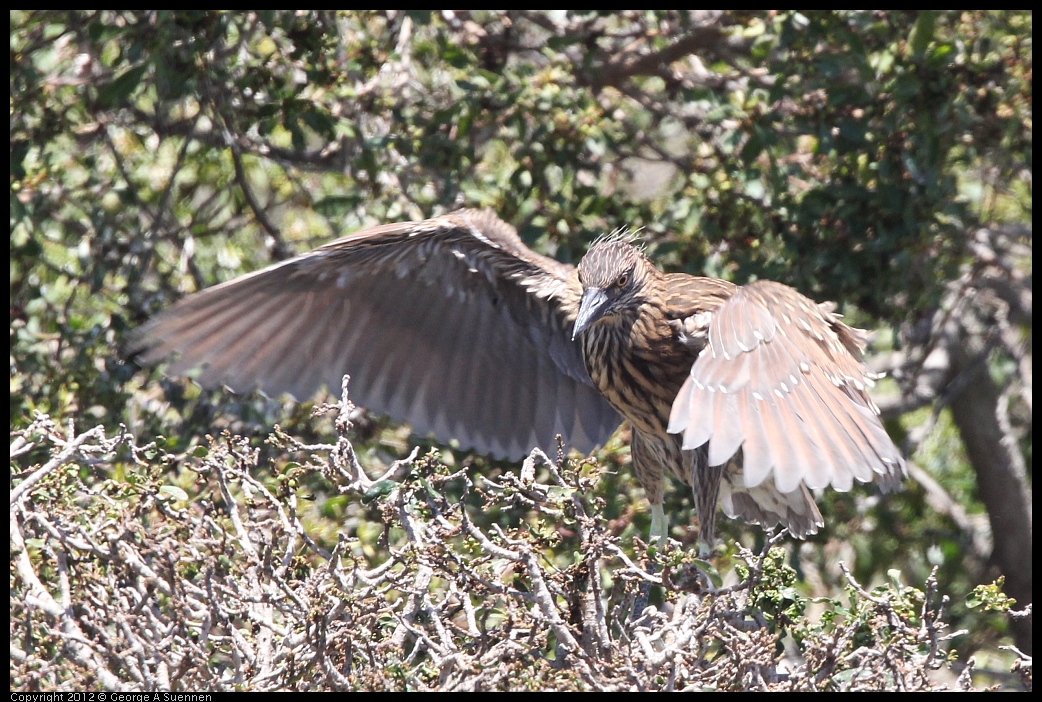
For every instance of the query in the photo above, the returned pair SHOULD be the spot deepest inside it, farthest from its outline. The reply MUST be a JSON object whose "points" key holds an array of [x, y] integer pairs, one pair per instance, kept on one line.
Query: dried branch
{"points": [[229, 591]]}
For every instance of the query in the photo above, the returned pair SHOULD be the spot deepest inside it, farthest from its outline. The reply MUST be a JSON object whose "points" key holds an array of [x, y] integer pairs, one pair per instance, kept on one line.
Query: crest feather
{"points": [[624, 234]]}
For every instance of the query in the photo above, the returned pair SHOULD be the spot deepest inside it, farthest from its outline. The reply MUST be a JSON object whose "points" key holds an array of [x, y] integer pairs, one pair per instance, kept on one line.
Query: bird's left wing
{"points": [[780, 377], [450, 324]]}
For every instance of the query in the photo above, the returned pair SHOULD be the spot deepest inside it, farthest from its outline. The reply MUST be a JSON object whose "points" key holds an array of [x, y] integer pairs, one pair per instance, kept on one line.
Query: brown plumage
{"points": [[748, 394]]}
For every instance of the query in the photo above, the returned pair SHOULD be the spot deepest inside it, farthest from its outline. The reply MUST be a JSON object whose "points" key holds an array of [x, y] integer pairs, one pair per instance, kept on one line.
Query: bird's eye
{"points": [[623, 279]]}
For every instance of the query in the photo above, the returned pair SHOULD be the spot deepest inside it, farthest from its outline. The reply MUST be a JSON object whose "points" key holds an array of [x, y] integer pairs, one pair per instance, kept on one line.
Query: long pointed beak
{"points": [[592, 306]]}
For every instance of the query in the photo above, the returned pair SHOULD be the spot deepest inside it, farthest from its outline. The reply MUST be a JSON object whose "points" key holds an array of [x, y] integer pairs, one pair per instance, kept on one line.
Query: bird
{"points": [[751, 395]]}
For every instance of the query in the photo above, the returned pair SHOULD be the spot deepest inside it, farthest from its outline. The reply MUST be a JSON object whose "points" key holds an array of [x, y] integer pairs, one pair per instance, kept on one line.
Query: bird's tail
{"points": [[765, 505]]}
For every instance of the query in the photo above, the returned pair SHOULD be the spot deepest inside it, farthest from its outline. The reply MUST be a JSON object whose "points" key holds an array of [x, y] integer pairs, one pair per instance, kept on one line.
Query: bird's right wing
{"points": [[780, 378], [450, 324]]}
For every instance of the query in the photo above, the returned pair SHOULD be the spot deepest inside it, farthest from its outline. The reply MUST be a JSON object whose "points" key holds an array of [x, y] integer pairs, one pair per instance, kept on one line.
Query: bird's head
{"points": [[613, 274]]}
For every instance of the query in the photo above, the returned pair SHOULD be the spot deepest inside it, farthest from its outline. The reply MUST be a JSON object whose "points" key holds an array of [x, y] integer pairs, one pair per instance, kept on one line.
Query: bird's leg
{"points": [[705, 488], [657, 536], [659, 526], [705, 549], [650, 454]]}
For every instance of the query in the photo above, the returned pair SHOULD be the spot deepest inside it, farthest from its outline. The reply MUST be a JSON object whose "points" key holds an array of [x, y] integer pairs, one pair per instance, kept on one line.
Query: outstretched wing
{"points": [[781, 378], [450, 324]]}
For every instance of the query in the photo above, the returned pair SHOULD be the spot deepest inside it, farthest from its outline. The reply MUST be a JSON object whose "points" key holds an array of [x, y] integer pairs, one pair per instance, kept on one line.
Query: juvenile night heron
{"points": [[750, 395]]}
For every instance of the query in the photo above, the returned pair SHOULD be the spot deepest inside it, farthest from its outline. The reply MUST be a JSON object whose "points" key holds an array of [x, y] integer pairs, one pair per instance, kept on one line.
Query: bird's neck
{"points": [[636, 361]]}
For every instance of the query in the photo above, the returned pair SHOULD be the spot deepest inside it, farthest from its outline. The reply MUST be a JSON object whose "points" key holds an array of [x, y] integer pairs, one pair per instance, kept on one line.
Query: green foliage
{"points": [[990, 597], [775, 596]]}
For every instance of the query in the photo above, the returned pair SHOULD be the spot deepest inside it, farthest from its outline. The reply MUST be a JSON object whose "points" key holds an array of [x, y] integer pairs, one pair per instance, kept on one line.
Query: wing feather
{"points": [[450, 324], [781, 378]]}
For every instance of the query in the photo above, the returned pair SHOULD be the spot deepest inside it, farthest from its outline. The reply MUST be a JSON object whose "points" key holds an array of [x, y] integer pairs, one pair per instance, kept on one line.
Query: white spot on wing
{"points": [[476, 233]]}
